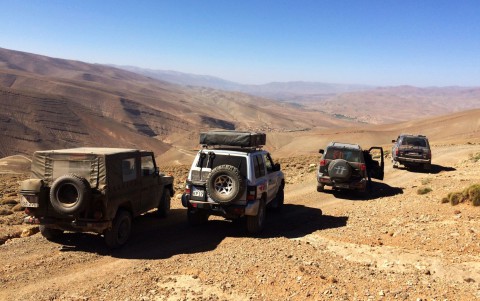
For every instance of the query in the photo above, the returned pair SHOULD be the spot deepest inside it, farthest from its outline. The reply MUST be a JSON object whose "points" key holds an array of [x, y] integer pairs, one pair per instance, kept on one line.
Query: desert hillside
{"points": [[52, 103]]}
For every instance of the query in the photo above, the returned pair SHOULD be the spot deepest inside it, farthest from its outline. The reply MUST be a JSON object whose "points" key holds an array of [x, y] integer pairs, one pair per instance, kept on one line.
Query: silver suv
{"points": [[231, 176]]}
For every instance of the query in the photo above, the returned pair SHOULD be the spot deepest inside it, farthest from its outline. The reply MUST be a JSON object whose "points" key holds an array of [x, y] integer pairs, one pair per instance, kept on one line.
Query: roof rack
{"points": [[236, 139]]}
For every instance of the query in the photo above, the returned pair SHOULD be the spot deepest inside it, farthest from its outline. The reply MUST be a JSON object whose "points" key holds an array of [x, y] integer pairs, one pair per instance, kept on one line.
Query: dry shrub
{"points": [[5, 212], [473, 193], [424, 190], [445, 200], [455, 198]]}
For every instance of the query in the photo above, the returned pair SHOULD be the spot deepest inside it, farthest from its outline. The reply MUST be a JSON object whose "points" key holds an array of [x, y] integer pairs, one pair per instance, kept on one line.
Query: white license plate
{"points": [[30, 201], [198, 192]]}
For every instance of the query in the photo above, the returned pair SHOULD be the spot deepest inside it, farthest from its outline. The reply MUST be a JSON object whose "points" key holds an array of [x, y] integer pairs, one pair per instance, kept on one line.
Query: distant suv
{"points": [[347, 166], [411, 151], [93, 190], [233, 177]]}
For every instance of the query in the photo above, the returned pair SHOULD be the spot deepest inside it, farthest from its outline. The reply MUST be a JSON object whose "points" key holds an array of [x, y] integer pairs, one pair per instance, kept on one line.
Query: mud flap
{"points": [[252, 208]]}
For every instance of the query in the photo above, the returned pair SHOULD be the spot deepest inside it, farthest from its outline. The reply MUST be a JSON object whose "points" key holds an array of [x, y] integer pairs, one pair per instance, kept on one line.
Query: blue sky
{"points": [[384, 42]]}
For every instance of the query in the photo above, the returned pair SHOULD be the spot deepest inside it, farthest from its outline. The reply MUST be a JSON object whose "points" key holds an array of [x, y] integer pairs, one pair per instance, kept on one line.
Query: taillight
{"points": [[251, 193], [323, 162], [187, 189], [397, 152], [363, 167]]}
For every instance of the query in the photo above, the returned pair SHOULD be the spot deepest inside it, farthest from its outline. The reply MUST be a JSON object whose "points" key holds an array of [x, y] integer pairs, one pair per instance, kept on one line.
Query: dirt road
{"points": [[394, 245]]}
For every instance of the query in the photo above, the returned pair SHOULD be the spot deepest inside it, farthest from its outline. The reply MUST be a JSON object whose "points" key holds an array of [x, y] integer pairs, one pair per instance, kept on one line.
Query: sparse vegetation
{"points": [[424, 190], [475, 158], [469, 194]]}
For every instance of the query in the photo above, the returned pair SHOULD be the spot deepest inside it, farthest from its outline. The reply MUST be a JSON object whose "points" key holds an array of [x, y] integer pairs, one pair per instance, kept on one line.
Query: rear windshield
{"points": [[350, 155], [80, 168], [414, 141], [217, 160]]}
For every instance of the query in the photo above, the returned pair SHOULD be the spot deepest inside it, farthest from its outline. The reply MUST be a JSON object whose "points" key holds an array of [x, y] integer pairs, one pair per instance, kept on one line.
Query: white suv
{"points": [[233, 177]]}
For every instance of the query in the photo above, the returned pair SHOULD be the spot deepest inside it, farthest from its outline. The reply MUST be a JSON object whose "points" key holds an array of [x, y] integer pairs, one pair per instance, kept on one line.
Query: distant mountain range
{"points": [[283, 91]]}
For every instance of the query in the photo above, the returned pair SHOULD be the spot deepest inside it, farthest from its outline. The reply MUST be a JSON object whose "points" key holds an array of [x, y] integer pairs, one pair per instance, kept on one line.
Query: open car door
{"points": [[377, 165]]}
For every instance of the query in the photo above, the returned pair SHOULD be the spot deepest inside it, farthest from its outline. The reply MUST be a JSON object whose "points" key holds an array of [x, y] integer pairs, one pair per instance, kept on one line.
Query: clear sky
{"points": [[375, 42]]}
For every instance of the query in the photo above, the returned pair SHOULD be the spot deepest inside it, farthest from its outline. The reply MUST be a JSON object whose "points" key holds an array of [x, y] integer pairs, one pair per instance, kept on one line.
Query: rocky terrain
{"points": [[396, 244]]}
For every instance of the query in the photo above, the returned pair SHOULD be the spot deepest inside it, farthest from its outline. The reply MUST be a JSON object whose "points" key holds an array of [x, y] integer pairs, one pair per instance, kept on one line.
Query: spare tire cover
{"points": [[69, 194], [225, 184], [339, 170]]}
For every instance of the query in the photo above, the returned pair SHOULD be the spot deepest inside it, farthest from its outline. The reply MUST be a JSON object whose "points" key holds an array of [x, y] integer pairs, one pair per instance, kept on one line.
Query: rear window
{"points": [[414, 141], [350, 155], [217, 160], [80, 168]]}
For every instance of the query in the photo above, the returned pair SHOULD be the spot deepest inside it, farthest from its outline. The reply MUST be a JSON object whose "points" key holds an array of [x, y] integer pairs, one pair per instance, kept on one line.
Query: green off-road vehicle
{"points": [[93, 190]]}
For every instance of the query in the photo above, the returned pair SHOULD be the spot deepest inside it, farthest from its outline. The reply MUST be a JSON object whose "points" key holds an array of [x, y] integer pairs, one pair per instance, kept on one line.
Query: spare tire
{"points": [[69, 194], [225, 184], [339, 170]]}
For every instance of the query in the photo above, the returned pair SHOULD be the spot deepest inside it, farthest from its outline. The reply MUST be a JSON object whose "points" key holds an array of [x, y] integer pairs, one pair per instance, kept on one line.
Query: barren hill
{"points": [[395, 104], [51, 103]]}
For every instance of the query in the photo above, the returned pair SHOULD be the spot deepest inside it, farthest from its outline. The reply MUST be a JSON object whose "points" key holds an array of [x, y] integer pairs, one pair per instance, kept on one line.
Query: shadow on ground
{"points": [[155, 238], [435, 169], [379, 190]]}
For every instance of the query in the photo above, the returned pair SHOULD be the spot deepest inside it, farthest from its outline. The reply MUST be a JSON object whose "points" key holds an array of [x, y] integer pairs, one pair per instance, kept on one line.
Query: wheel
{"points": [[339, 170], [120, 231], [196, 216], [164, 206], [320, 188], [256, 223], [225, 184], [50, 233], [69, 194], [277, 203]]}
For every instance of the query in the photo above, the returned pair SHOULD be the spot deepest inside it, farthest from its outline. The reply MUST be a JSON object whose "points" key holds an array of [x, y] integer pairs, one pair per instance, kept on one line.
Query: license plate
{"points": [[342, 185], [30, 201], [198, 193]]}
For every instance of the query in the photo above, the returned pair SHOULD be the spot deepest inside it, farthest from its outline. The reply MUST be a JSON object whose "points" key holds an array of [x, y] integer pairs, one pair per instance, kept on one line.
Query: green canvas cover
{"points": [[90, 163]]}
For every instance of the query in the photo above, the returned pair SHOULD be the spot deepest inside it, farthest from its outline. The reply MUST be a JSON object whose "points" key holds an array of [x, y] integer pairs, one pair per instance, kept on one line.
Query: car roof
{"points": [[344, 145], [90, 150]]}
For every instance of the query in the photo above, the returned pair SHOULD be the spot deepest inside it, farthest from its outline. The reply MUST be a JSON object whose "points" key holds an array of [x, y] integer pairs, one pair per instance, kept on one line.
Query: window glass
{"points": [[349, 155], [80, 168], [148, 167], [261, 165], [216, 160], [414, 141], [256, 168], [268, 163], [129, 172]]}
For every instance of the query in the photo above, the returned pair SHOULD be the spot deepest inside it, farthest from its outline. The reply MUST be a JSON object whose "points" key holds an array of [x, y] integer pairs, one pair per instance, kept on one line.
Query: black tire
{"points": [[196, 216], [70, 194], [50, 233], [277, 203], [225, 184], [339, 170], [164, 205], [255, 224], [119, 233], [320, 187]]}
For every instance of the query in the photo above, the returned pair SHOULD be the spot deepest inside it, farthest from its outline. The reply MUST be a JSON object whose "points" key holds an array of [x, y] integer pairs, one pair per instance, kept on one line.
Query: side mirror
{"points": [[321, 151], [393, 141], [276, 167]]}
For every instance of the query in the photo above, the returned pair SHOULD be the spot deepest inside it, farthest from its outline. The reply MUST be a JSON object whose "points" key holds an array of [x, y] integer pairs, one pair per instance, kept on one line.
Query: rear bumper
{"points": [[249, 208], [70, 225], [407, 160], [352, 185]]}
